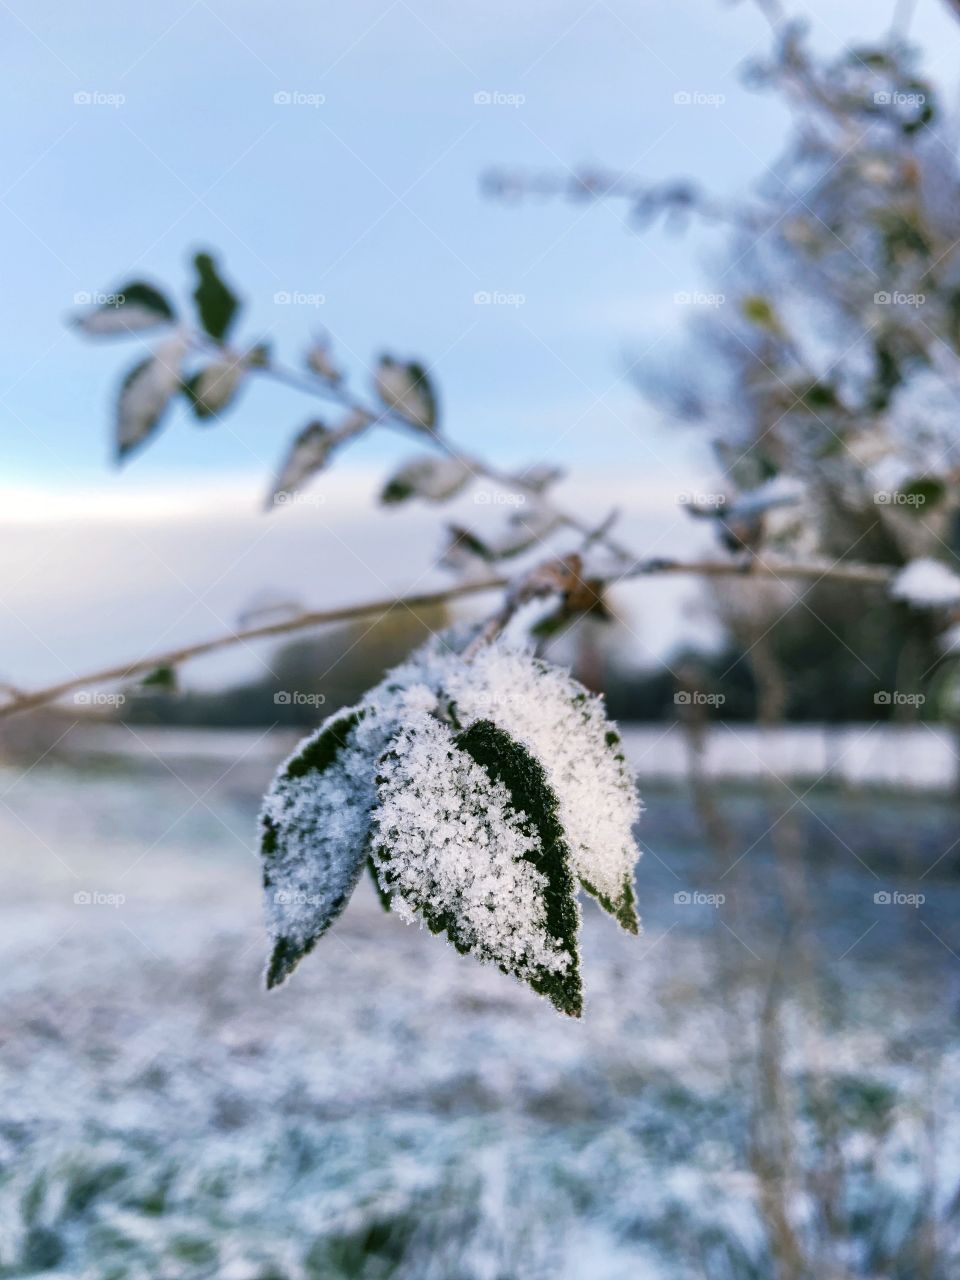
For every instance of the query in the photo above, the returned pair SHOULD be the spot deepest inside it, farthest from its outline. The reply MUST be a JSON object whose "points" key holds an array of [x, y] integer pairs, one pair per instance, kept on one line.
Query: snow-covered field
{"points": [[398, 1111], [921, 757]]}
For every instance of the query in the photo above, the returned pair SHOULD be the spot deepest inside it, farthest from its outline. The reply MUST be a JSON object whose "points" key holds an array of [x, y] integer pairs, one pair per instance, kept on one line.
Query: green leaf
{"points": [[925, 493], [464, 549], [133, 308], [217, 305], [258, 357], [527, 527], [321, 749], [396, 490], [760, 312], [509, 763], [623, 909], [309, 875], [163, 679]]}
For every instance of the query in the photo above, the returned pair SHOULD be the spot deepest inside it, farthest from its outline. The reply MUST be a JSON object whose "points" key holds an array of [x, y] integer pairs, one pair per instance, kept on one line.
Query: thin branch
{"points": [[329, 389], [779, 570], [299, 622]]}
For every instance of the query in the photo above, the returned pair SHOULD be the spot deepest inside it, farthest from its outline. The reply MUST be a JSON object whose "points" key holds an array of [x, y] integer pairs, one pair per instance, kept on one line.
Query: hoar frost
{"points": [[567, 729], [314, 820], [926, 584], [454, 849], [480, 790]]}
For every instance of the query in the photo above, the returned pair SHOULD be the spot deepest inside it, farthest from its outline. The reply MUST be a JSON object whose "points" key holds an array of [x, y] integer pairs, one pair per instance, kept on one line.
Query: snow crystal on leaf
{"points": [[315, 822], [567, 730], [314, 826], [478, 789], [926, 584], [453, 849]]}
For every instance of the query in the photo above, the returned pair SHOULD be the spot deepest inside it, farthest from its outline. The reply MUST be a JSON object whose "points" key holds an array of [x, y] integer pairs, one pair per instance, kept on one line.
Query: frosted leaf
{"points": [[314, 825], [467, 837], [320, 360], [382, 894], [478, 791], [528, 524], [567, 730], [212, 389], [307, 455], [433, 479], [145, 395], [406, 388], [926, 584], [134, 307], [465, 554]]}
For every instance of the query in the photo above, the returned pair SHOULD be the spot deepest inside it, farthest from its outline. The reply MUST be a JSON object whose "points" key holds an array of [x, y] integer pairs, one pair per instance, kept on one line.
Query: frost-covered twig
{"points": [[553, 577], [328, 385], [26, 701], [333, 389], [814, 571]]}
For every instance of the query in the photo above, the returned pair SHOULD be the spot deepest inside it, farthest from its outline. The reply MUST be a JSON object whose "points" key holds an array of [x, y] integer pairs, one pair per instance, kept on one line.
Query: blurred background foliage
{"points": [[824, 383]]}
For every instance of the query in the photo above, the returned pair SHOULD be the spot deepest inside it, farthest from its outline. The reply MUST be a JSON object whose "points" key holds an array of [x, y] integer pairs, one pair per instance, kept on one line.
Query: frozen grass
{"points": [[398, 1111]]}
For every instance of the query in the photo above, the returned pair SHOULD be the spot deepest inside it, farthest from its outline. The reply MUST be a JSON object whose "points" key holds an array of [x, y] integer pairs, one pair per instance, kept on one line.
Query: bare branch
{"points": [[853, 574]]}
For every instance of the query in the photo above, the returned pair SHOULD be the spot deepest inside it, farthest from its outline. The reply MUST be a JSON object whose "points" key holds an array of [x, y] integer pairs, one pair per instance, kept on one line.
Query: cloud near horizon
{"points": [[125, 570]]}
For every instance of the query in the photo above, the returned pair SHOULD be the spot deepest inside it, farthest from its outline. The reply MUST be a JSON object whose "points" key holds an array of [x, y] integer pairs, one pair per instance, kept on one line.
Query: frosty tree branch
{"points": [[813, 571], [332, 389]]}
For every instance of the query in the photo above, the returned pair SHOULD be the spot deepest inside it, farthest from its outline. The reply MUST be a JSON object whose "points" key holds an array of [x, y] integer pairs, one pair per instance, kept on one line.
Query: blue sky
{"points": [[371, 199]]}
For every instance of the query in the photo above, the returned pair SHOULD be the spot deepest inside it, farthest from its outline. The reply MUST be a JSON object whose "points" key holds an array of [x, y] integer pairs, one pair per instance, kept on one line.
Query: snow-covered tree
{"points": [[828, 383]]}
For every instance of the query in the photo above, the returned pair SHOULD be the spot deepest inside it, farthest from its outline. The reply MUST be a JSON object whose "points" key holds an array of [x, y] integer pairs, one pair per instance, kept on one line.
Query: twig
{"points": [[329, 389], [299, 622], [779, 570]]}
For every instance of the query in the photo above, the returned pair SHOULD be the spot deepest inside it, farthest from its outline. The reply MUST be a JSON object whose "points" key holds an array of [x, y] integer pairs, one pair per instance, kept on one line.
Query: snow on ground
{"points": [[397, 1110]]}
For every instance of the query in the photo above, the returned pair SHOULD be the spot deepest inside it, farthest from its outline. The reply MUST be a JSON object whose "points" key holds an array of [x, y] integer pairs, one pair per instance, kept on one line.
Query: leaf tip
{"points": [[284, 958]]}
